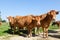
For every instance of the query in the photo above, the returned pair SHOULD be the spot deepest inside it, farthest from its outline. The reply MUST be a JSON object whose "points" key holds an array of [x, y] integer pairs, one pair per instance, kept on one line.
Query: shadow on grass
{"points": [[23, 33], [54, 34], [52, 31], [8, 31]]}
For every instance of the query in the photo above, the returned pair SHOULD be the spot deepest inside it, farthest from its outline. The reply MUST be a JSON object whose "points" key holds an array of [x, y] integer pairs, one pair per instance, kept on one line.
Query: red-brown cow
{"points": [[46, 20], [27, 21], [12, 23]]}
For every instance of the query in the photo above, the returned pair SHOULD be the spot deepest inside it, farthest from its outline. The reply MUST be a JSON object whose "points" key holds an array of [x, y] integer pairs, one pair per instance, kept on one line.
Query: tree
{"points": [[0, 17], [3, 20]]}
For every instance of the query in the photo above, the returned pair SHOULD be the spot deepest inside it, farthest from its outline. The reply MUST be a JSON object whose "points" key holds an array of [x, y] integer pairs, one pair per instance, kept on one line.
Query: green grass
{"points": [[53, 27], [4, 27]]}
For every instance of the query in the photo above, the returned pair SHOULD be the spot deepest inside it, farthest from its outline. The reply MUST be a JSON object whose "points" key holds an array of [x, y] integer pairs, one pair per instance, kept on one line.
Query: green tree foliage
{"points": [[3, 20], [0, 19]]}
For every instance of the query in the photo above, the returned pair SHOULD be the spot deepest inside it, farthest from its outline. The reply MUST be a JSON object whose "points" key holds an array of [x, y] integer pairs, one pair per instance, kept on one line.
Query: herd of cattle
{"points": [[32, 21]]}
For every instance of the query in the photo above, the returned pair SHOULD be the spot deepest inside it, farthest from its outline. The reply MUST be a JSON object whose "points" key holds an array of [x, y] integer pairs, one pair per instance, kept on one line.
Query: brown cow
{"points": [[12, 23], [57, 23], [29, 22], [46, 20]]}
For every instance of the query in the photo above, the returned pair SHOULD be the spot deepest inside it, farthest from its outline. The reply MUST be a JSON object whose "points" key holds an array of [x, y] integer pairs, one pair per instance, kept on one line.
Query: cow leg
{"points": [[43, 32], [29, 32], [59, 26], [46, 32], [38, 30], [11, 28], [18, 30], [35, 30], [24, 28], [14, 29]]}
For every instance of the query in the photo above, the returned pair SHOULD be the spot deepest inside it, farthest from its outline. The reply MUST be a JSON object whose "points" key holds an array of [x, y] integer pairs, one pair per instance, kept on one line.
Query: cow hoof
{"points": [[28, 36], [45, 37]]}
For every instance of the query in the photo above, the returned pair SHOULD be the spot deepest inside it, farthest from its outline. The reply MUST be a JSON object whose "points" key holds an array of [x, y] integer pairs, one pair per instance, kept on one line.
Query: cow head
{"points": [[53, 14], [11, 19], [37, 19]]}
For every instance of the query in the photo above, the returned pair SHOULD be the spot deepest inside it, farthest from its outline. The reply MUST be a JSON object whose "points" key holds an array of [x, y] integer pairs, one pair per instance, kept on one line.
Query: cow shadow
{"points": [[23, 33], [54, 34], [8, 31], [52, 31]]}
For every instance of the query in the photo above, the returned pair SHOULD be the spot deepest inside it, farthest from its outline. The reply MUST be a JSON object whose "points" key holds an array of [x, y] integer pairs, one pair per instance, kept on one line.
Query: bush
{"points": [[3, 20]]}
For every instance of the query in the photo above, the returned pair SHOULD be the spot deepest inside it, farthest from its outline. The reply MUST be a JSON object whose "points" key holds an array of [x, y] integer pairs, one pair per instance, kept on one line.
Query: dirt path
{"points": [[53, 35]]}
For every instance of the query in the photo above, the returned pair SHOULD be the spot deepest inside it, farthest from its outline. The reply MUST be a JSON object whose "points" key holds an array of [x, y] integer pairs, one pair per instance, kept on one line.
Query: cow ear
{"points": [[49, 13], [13, 17], [57, 12]]}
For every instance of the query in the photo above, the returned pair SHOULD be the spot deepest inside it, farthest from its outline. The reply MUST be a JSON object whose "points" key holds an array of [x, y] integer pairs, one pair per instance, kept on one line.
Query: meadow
{"points": [[4, 29]]}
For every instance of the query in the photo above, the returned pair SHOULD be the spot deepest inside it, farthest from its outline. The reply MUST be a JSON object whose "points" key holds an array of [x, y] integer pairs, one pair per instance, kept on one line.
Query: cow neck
{"points": [[47, 19]]}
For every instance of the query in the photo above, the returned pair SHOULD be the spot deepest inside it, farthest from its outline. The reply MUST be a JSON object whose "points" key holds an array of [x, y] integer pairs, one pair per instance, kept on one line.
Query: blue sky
{"points": [[26, 7]]}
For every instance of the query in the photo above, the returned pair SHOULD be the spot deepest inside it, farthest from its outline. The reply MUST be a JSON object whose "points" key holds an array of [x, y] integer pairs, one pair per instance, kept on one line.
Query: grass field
{"points": [[5, 27]]}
